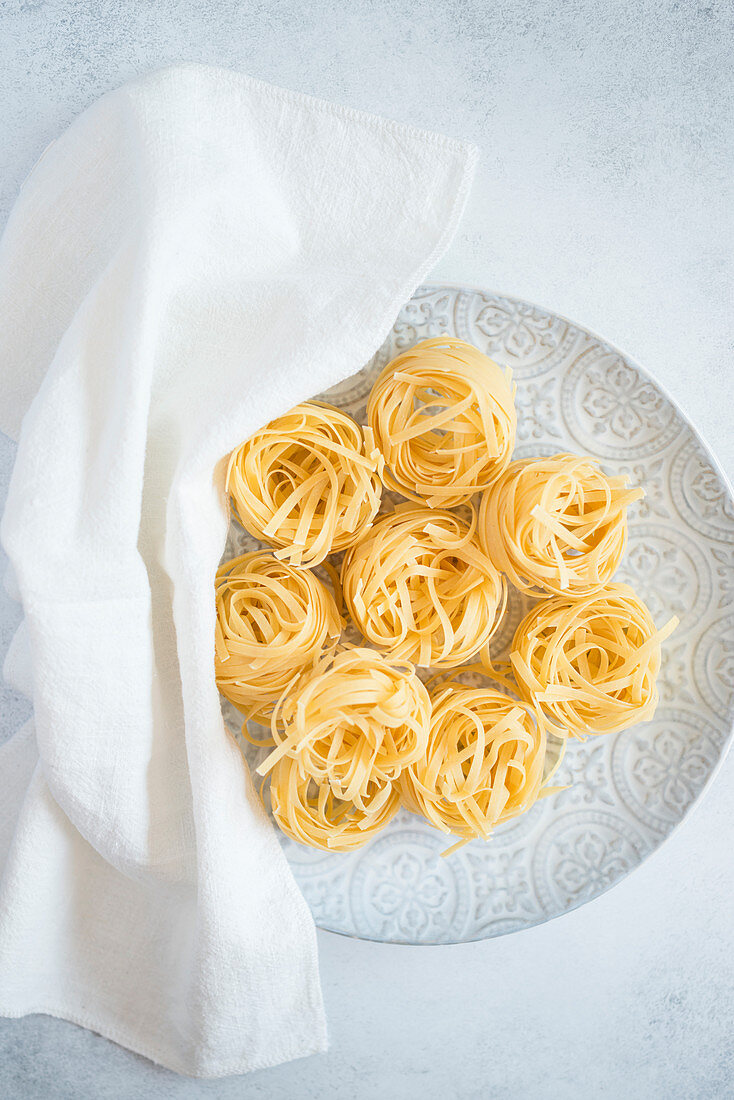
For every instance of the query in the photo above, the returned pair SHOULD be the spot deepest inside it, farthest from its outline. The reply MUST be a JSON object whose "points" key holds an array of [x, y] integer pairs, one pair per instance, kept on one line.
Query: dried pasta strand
{"points": [[308, 483], [310, 812], [273, 622], [483, 765], [353, 723], [419, 586], [353, 731], [443, 417], [591, 664], [556, 525]]}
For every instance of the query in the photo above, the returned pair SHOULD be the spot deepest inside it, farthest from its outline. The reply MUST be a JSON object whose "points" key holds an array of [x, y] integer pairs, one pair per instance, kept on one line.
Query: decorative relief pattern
{"points": [[669, 570], [714, 664], [656, 502], [537, 412], [403, 891], [660, 767], [625, 792], [502, 891], [613, 410], [581, 855], [698, 492], [516, 334], [585, 775], [430, 312]]}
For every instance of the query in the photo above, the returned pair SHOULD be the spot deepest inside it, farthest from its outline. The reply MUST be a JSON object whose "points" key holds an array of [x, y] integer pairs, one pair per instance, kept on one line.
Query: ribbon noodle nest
{"points": [[591, 664], [556, 524], [443, 417], [353, 732], [351, 726], [419, 586], [310, 812], [308, 483], [484, 762], [273, 621]]}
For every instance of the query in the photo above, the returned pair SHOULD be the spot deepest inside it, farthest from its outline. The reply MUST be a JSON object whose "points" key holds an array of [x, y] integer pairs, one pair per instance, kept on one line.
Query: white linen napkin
{"points": [[195, 255]]}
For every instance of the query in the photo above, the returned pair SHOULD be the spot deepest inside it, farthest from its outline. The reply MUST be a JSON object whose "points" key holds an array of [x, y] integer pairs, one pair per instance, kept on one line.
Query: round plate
{"points": [[626, 792]]}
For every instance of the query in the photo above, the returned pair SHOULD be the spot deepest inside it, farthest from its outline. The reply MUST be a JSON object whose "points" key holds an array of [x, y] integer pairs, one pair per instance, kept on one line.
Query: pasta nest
{"points": [[484, 762], [354, 724], [308, 810], [591, 664], [308, 483], [419, 586], [556, 524], [443, 417], [273, 620]]}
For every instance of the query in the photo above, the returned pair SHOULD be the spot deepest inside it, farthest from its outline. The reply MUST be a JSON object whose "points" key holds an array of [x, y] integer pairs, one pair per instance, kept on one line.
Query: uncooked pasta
{"points": [[310, 812], [591, 664], [419, 586], [353, 732], [353, 724], [308, 483], [273, 621], [483, 765], [443, 417], [556, 524]]}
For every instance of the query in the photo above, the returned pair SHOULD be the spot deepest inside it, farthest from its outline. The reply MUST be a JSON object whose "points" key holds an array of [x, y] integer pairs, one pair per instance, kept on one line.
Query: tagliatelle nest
{"points": [[419, 586], [591, 664], [556, 524], [310, 812], [484, 762], [353, 731], [355, 722], [443, 416], [307, 483], [273, 621]]}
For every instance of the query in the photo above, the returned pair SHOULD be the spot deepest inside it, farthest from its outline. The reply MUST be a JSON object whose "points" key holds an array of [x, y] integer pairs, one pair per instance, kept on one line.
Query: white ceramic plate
{"points": [[627, 792]]}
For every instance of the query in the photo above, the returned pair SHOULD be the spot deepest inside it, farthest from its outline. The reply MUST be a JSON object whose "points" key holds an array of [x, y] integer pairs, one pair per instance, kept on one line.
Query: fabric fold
{"points": [[195, 255]]}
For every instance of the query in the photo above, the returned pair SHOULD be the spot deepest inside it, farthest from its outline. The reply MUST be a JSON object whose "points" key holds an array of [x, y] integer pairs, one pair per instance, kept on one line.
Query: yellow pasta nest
{"points": [[556, 524], [591, 664], [273, 621], [484, 762], [308, 483], [419, 586], [310, 812], [443, 417], [354, 724], [353, 731]]}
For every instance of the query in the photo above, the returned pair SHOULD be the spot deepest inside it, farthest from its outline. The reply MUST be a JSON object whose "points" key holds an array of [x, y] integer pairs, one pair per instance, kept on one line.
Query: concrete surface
{"points": [[604, 192]]}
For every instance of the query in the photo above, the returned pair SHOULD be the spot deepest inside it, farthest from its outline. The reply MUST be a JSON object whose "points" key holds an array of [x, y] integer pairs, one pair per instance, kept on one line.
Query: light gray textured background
{"points": [[604, 193]]}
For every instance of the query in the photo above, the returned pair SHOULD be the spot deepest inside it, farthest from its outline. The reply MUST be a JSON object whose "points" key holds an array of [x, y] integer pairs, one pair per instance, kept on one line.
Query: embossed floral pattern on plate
{"points": [[624, 793]]}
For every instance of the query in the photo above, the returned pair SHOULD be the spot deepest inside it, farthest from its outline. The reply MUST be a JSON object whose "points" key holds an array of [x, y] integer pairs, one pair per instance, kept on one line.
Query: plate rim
{"points": [[729, 737]]}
